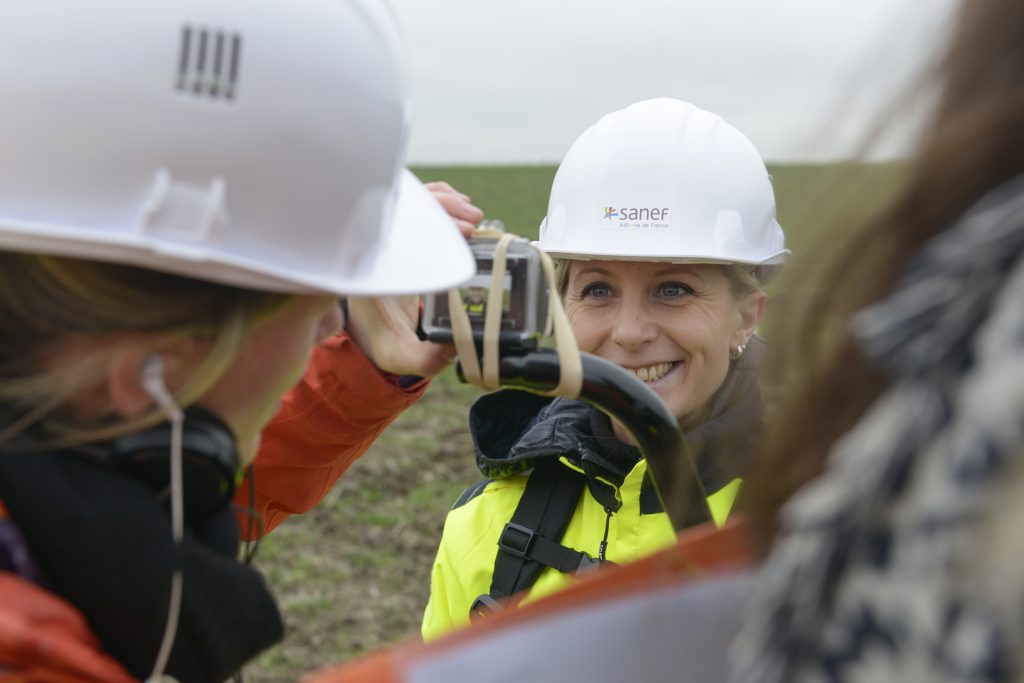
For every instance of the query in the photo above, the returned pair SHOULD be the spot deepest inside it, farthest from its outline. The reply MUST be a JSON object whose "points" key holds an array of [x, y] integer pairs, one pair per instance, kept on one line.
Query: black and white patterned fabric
{"points": [[872, 578]]}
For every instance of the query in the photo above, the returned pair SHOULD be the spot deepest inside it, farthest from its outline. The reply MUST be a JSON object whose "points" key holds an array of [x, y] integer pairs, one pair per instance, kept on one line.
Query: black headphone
{"points": [[210, 464], [209, 461]]}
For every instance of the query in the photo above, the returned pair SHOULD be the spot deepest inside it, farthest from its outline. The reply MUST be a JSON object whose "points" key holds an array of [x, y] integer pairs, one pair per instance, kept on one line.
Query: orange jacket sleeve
{"points": [[45, 638], [326, 421]]}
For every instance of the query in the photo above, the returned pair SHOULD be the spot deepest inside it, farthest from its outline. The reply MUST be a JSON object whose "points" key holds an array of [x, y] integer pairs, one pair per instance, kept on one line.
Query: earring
{"points": [[737, 352]]}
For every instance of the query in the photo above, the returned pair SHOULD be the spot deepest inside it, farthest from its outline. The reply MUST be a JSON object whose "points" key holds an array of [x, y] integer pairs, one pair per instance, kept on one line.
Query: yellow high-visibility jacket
{"points": [[513, 431], [469, 545]]}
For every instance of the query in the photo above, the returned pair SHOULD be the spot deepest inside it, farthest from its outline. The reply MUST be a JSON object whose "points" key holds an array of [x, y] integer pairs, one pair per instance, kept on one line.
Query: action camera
{"points": [[523, 302]]}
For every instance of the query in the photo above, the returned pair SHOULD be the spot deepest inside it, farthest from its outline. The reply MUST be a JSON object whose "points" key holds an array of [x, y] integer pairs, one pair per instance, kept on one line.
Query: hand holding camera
{"points": [[385, 329]]}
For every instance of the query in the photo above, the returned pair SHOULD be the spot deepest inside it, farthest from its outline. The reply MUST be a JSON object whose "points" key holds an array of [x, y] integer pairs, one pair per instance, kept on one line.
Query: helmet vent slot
{"points": [[209, 62]]}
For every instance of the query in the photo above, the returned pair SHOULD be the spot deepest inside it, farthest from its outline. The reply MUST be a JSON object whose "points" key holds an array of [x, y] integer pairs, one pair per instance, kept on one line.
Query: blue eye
{"points": [[674, 290], [596, 290]]}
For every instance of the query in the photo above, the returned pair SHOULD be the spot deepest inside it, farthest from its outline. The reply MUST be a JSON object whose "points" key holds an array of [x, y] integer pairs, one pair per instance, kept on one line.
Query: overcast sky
{"points": [[503, 81]]}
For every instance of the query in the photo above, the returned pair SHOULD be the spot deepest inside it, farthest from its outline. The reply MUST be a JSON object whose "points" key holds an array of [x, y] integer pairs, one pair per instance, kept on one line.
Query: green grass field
{"points": [[354, 574]]}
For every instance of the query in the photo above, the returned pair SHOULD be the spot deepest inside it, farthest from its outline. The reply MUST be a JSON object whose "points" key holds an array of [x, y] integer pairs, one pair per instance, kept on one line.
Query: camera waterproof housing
{"points": [[524, 298]]}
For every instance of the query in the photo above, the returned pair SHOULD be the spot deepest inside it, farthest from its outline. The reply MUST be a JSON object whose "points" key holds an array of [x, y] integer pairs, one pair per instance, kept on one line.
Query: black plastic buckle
{"points": [[513, 545], [482, 606]]}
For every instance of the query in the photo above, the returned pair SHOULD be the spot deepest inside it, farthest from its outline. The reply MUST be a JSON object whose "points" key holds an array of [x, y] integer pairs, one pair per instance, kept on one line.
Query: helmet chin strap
{"points": [[152, 379], [570, 379]]}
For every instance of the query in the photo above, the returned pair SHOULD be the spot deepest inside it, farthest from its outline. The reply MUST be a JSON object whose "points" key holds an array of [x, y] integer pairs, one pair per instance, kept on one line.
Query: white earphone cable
{"points": [[152, 378]]}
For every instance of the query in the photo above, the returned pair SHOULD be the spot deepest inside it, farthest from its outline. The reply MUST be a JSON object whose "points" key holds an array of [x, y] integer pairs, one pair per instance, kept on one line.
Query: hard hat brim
{"points": [[422, 251], [777, 258]]}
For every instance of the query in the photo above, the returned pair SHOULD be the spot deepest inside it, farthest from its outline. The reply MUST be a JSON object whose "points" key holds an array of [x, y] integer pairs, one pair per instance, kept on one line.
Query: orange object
{"points": [[700, 552], [44, 638]]}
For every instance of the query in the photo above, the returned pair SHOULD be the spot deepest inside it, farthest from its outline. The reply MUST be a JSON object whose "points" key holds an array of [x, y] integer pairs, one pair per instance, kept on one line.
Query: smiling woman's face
{"points": [[673, 325]]}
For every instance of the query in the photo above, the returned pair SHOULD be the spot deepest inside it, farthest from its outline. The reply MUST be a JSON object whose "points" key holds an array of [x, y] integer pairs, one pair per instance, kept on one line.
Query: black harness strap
{"points": [[529, 542]]}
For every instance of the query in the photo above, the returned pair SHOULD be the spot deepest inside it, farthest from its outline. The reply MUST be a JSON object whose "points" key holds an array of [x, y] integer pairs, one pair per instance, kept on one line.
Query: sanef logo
{"points": [[636, 214]]}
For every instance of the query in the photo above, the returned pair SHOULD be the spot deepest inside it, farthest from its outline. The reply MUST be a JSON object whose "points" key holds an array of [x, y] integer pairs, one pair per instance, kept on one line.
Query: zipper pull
{"points": [[604, 541]]}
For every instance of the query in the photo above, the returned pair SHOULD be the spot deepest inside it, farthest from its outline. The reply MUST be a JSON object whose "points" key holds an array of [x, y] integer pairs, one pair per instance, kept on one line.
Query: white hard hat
{"points": [[256, 143], [663, 180]]}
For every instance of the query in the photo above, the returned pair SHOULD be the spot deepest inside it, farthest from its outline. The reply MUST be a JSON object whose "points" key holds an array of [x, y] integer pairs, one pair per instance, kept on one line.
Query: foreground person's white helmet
{"points": [[257, 143], [664, 180]]}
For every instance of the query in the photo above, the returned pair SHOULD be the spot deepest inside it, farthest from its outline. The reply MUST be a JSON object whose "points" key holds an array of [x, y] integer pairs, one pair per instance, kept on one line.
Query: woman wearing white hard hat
{"points": [[663, 218], [186, 189]]}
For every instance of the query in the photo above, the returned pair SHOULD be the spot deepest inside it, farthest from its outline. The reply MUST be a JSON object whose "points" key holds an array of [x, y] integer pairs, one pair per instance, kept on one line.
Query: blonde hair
{"points": [[64, 318], [743, 279]]}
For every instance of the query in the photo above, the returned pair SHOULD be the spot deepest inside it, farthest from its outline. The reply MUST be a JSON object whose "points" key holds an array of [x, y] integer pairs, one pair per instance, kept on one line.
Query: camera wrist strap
{"points": [[570, 379]]}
